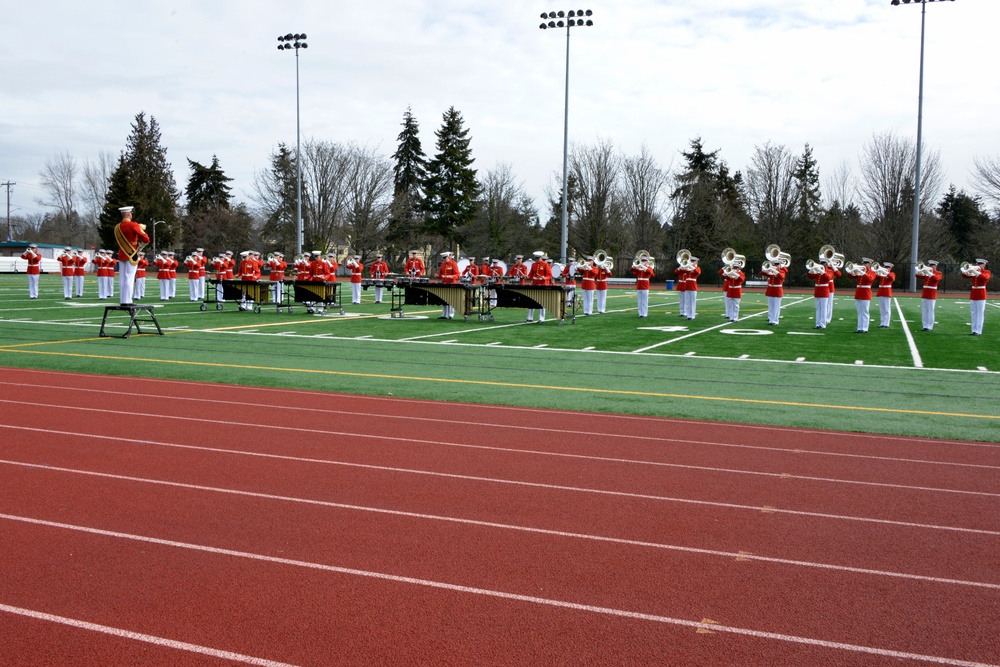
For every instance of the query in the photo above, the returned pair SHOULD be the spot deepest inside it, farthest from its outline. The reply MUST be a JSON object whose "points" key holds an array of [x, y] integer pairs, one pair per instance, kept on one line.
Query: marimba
{"points": [[312, 294], [553, 298], [421, 292]]}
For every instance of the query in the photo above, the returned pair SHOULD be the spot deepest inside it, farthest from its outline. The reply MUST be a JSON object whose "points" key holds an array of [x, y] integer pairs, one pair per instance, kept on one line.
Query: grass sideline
{"points": [[939, 384]]}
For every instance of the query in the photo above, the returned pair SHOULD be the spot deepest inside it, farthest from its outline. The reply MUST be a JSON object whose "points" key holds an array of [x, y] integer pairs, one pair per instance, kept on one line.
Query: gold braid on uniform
{"points": [[130, 249]]}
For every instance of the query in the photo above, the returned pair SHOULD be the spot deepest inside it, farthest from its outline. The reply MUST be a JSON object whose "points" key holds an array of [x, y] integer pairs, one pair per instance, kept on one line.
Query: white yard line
{"points": [[914, 352]]}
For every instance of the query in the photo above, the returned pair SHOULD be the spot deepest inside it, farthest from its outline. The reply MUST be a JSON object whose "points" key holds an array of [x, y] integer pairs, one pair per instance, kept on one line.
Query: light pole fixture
{"points": [[914, 243], [296, 41], [158, 222], [572, 19]]}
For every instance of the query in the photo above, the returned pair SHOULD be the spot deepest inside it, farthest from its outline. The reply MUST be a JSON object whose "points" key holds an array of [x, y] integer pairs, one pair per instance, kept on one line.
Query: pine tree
{"points": [[208, 198], [451, 187], [143, 179], [697, 198], [409, 173]]}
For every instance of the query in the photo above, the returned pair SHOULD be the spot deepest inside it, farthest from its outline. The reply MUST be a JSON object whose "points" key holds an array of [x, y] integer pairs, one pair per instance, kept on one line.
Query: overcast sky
{"points": [[737, 73]]}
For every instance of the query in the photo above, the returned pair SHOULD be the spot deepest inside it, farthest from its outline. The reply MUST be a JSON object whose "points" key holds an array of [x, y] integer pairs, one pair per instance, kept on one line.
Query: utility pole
{"points": [[8, 185]]}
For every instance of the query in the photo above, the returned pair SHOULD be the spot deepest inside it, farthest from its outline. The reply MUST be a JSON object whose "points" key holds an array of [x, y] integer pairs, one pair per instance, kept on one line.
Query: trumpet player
{"points": [[139, 291], [929, 276], [356, 268], [34, 259], [885, 279], [67, 268], [864, 277], [79, 270], [821, 288], [601, 275], [643, 273], [199, 255], [192, 273], [979, 275], [587, 285]]}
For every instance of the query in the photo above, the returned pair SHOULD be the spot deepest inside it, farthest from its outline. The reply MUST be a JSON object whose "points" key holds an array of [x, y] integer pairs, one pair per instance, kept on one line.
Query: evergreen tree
{"points": [[143, 179], [968, 223], [208, 195], [697, 198], [808, 205], [409, 173], [451, 187]]}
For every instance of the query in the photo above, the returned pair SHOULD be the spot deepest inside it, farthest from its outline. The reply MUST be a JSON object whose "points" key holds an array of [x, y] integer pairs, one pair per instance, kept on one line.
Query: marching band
{"points": [[593, 273]]}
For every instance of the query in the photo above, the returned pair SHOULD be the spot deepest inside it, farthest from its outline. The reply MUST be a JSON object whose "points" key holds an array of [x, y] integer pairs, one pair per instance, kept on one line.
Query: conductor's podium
{"points": [[134, 320]]}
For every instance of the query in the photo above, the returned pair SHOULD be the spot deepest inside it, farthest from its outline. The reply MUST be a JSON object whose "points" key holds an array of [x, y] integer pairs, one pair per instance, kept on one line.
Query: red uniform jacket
{"points": [[978, 291], [885, 284], [863, 291], [930, 285]]}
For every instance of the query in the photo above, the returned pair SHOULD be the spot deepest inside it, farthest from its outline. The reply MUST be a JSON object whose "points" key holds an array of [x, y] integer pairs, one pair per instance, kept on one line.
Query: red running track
{"points": [[176, 523]]}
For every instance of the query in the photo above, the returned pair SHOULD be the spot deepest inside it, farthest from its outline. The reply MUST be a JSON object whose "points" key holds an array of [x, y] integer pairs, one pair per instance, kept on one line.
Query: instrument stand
{"points": [[134, 320]]}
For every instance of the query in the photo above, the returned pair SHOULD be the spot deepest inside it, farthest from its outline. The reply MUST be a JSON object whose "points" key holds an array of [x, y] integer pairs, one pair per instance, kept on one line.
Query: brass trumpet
{"points": [[969, 269]]}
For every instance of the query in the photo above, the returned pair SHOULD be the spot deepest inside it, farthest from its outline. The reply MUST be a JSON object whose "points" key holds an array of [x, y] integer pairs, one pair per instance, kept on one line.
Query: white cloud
{"points": [[654, 72]]}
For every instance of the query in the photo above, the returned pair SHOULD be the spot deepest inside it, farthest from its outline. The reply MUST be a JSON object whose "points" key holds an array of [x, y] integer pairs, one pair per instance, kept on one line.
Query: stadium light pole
{"points": [[296, 41], [158, 222], [573, 19], [914, 247]]}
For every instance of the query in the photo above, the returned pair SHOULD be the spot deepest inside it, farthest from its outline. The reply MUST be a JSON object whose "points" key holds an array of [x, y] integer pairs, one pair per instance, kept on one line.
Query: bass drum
{"points": [[557, 270], [527, 265], [463, 264]]}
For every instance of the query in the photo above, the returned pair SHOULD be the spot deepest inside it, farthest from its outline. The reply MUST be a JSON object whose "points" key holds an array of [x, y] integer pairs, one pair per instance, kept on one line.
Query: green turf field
{"points": [[899, 380]]}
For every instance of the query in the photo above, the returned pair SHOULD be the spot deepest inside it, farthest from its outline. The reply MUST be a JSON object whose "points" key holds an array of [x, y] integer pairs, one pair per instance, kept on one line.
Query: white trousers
{"points": [[642, 297], [126, 281], [531, 314], [378, 294], [691, 309], [927, 313], [732, 308], [32, 285], [829, 311], [588, 301], [193, 290], [139, 290], [602, 300], [355, 292], [885, 310], [978, 312], [773, 309], [821, 311], [67, 287], [79, 285], [863, 307]]}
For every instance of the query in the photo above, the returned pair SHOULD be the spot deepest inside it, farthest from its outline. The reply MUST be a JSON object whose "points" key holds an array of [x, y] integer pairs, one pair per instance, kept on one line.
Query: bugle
{"points": [[969, 269], [924, 269], [852, 269], [814, 268]]}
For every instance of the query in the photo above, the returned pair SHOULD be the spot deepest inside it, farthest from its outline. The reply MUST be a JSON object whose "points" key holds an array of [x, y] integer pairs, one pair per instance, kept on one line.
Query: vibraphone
{"points": [[422, 292], [318, 295], [553, 298]]}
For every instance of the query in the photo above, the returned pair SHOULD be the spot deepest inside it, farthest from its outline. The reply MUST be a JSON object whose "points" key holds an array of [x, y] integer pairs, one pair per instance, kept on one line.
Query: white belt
{"points": [[979, 287], [864, 286], [930, 286]]}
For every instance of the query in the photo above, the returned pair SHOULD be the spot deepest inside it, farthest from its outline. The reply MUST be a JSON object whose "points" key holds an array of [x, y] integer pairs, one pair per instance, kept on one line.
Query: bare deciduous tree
{"points": [[370, 186], [504, 217], [597, 213], [641, 193], [888, 165], [986, 178], [770, 190]]}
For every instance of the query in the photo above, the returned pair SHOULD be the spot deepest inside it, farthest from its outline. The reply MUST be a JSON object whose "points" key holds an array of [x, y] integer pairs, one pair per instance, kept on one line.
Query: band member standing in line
{"points": [[680, 277], [928, 295], [378, 270], [128, 234], [79, 270], [588, 286], [884, 295], [192, 266], [977, 296], [821, 292], [449, 275], [139, 291], [199, 254], [414, 267], [276, 266], [775, 291], [569, 278], [691, 292], [162, 274], [539, 274], [734, 294], [172, 274], [863, 295], [356, 268], [832, 274], [601, 287], [34, 259], [67, 268], [643, 274]]}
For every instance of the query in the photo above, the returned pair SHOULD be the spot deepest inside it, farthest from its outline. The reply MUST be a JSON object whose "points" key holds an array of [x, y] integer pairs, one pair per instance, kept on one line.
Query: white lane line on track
{"points": [[536, 485], [140, 637], [515, 597], [271, 408], [523, 452], [532, 530]]}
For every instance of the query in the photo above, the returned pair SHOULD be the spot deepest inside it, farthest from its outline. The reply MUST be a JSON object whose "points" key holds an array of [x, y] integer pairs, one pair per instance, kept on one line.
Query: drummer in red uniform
{"points": [[378, 270], [540, 273], [449, 275]]}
